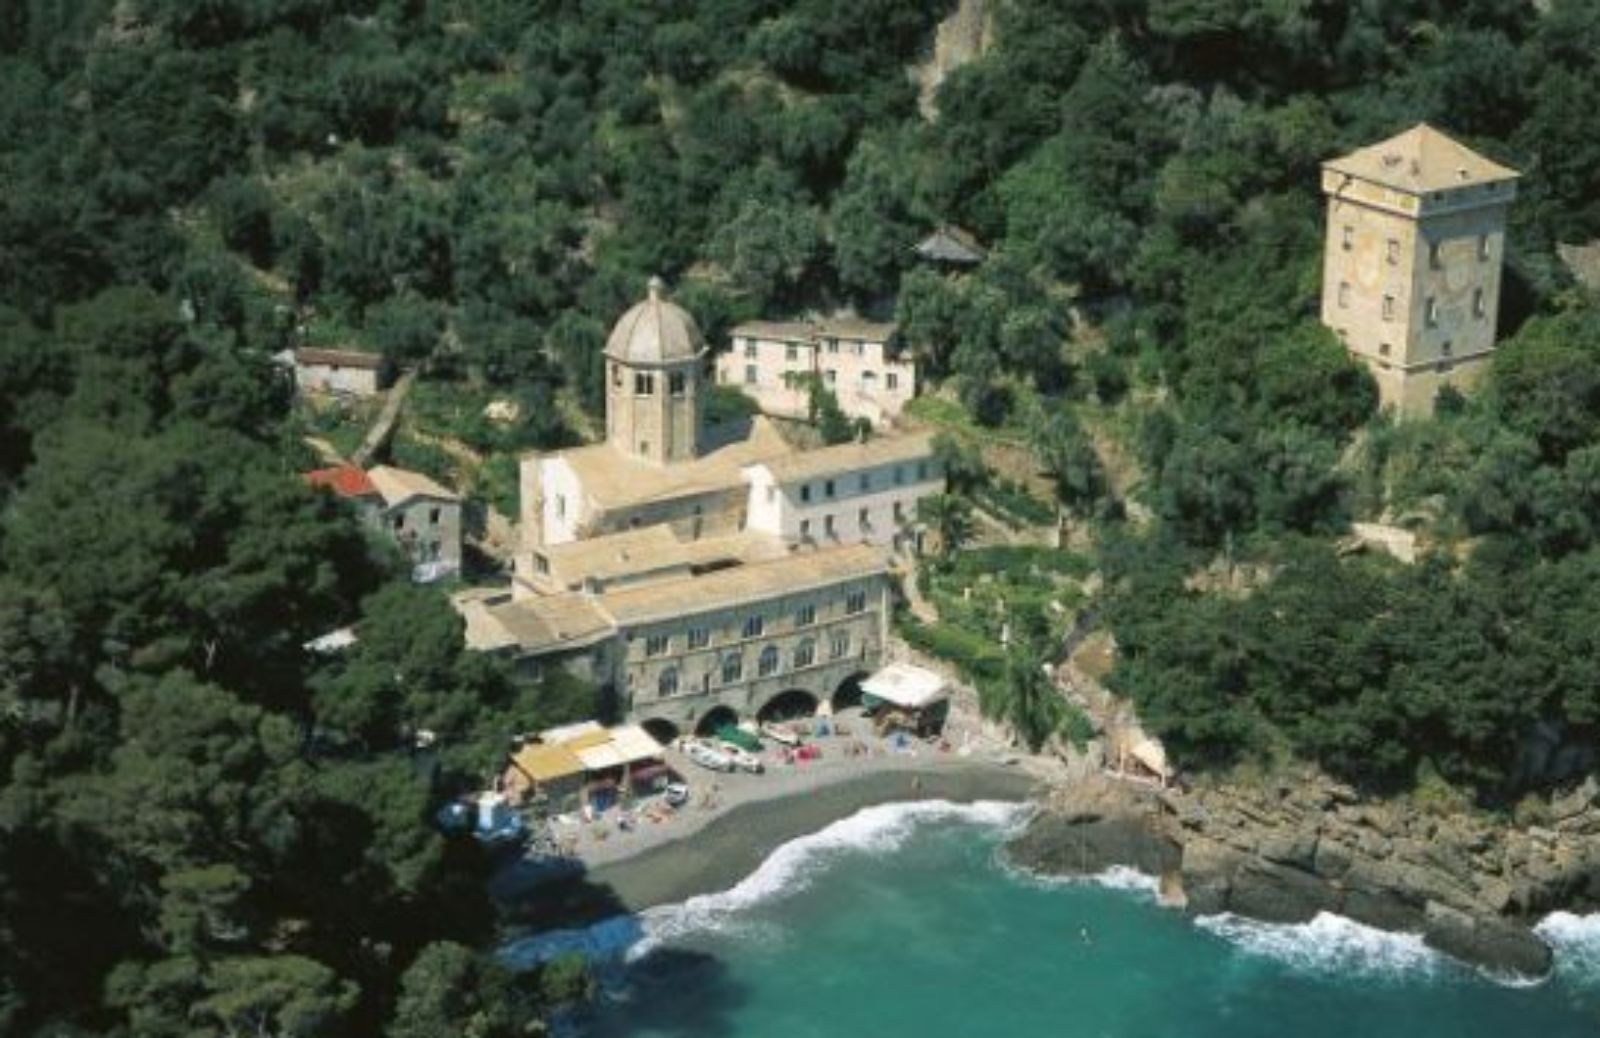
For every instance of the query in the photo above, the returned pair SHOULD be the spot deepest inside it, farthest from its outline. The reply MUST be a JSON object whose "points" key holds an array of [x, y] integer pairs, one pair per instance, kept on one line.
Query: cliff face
{"points": [[966, 34], [1286, 852]]}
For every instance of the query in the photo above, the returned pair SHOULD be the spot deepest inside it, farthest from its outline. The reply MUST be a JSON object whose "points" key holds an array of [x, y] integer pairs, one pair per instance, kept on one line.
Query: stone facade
{"points": [[1412, 262], [653, 363]]}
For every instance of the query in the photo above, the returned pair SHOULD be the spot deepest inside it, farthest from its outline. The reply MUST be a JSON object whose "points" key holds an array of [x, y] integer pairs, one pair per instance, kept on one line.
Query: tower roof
{"points": [[655, 331], [1421, 160]]}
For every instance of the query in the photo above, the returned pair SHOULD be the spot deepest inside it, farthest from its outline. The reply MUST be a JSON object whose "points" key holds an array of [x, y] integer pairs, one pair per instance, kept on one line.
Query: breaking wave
{"points": [[789, 869], [873, 830], [1329, 945], [1576, 942]]}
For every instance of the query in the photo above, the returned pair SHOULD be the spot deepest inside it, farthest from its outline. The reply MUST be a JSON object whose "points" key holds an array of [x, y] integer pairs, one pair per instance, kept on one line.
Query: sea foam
{"points": [[1576, 942], [1329, 945], [789, 869]]}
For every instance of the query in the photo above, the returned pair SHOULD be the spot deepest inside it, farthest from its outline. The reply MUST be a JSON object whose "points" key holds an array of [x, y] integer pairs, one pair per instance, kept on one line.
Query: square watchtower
{"points": [[1412, 262]]}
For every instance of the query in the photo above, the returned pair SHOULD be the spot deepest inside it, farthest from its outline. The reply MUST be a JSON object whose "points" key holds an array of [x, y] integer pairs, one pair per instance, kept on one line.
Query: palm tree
{"points": [[951, 519], [1028, 698]]}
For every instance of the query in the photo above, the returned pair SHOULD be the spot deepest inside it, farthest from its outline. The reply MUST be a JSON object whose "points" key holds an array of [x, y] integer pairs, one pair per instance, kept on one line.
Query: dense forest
{"points": [[204, 829]]}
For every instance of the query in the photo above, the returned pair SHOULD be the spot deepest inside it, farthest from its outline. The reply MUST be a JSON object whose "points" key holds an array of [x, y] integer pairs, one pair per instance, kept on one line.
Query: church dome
{"points": [[655, 331]]}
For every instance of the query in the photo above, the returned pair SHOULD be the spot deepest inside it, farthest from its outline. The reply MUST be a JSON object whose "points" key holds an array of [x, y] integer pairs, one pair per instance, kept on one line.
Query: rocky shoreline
{"points": [[1288, 850]]}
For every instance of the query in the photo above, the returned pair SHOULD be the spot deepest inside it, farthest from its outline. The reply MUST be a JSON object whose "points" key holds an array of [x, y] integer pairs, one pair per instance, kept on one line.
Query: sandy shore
{"points": [[704, 855]]}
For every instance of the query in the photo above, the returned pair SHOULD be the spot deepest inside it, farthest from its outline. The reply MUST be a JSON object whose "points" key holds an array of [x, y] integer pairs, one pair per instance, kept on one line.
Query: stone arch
{"points": [[661, 730], [848, 693], [717, 717], [791, 702]]}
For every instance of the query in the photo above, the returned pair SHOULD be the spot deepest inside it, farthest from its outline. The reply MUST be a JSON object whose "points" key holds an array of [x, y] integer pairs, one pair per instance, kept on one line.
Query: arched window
{"points": [[769, 660], [732, 668], [667, 683], [805, 653]]}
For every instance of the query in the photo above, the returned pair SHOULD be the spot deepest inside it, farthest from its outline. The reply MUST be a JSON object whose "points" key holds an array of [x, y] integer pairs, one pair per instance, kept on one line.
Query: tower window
{"points": [[1479, 310], [1483, 246], [805, 492], [616, 375], [675, 383], [1432, 312], [1393, 251], [1433, 255], [1388, 308], [1344, 293], [891, 381], [644, 384], [1349, 238], [1383, 349]]}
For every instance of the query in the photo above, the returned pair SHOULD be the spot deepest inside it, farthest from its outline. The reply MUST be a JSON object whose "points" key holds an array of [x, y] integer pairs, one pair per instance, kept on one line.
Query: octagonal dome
{"points": [[655, 331]]}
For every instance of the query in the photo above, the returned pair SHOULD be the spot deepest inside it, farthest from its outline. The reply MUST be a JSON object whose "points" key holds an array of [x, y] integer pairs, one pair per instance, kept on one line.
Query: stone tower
{"points": [[654, 359], [1411, 268]]}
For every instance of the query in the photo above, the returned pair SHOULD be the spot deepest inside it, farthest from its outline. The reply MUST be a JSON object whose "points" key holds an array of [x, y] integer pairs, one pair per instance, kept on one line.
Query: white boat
{"points": [[708, 757], [742, 758], [780, 733]]}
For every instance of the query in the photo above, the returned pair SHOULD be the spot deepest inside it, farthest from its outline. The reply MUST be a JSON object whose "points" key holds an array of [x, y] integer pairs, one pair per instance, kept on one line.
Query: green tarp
{"points": [[739, 737]]}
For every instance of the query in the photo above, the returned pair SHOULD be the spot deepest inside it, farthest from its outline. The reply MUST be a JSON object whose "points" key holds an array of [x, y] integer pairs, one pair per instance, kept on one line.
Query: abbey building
{"points": [[703, 574]]}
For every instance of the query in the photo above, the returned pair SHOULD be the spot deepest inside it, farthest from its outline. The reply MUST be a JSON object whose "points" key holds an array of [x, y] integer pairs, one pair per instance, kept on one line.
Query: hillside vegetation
{"points": [[206, 830]]}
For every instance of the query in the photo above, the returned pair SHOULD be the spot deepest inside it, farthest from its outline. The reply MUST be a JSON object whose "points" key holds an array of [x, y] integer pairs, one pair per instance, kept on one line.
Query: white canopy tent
{"points": [[906, 686]]}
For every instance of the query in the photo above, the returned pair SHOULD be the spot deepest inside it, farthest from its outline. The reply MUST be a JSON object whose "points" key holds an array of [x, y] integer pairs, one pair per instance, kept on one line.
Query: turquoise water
{"points": [[904, 921]]}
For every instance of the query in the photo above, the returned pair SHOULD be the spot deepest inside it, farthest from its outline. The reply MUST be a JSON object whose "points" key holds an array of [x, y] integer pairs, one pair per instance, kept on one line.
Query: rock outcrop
{"points": [[1471, 886]]}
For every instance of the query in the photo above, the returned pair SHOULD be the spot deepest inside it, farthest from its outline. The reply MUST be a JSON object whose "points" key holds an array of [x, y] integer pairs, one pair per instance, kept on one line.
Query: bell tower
{"points": [[654, 361]]}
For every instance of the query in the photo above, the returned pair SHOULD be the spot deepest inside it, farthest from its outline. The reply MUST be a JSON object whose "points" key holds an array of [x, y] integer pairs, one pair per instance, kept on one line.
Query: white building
{"points": [[339, 372], [861, 362]]}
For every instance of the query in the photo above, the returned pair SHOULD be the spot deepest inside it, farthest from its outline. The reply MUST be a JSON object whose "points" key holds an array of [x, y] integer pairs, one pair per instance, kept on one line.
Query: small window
{"points": [[805, 491], [1433, 255], [1383, 349], [699, 637], [541, 564], [899, 475], [656, 644], [399, 522], [732, 668], [839, 645], [833, 345], [1445, 348], [561, 506], [805, 528], [1348, 238], [859, 348], [827, 488], [433, 517], [805, 654], [831, 377], [805, 616], [676, 383], [1479, 310], [1483, 247], [1344, 293], [1392, 251], [899, 511], [616, 375], [891, 380], [827, 525], [767, 663], [1388, 308], [751, 376], [667, 683], [869, 380], [1432, 312], [644, 448], [864, 519], [855, 602], [644, 384], [753, 626], [865, 482], [791, 353], [749, 349]]}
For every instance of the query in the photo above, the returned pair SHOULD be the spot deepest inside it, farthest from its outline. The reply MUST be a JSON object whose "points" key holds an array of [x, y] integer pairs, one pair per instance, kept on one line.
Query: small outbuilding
{"points": [[339, 372], [908, 697]]}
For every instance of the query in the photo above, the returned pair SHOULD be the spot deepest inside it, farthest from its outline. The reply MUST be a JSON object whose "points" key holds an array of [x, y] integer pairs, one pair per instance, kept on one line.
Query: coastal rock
{"points": [[1491, 943], [1086, 844], [1279, 894]]}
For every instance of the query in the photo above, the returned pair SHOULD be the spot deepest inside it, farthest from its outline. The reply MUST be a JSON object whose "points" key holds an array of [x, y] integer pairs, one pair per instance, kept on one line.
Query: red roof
{"points": [[344, 480]]}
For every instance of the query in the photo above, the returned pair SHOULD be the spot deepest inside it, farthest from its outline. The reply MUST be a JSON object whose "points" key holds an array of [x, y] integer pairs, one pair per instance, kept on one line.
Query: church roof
{"points": [[613, 479], [655, 331], [844, 458], [1421, 160]]}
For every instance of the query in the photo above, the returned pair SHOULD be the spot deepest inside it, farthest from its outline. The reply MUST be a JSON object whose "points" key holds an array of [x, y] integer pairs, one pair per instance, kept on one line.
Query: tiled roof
{"points": [[613, 479], [850, 457], [780, 331], [1421, 160], [400, 485], [344, 480], [338, 358]]}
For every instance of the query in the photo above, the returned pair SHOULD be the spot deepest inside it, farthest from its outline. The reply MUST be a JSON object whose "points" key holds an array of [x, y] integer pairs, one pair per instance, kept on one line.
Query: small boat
{"points": [[708, 757], [742, 758], [780, 733]]}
